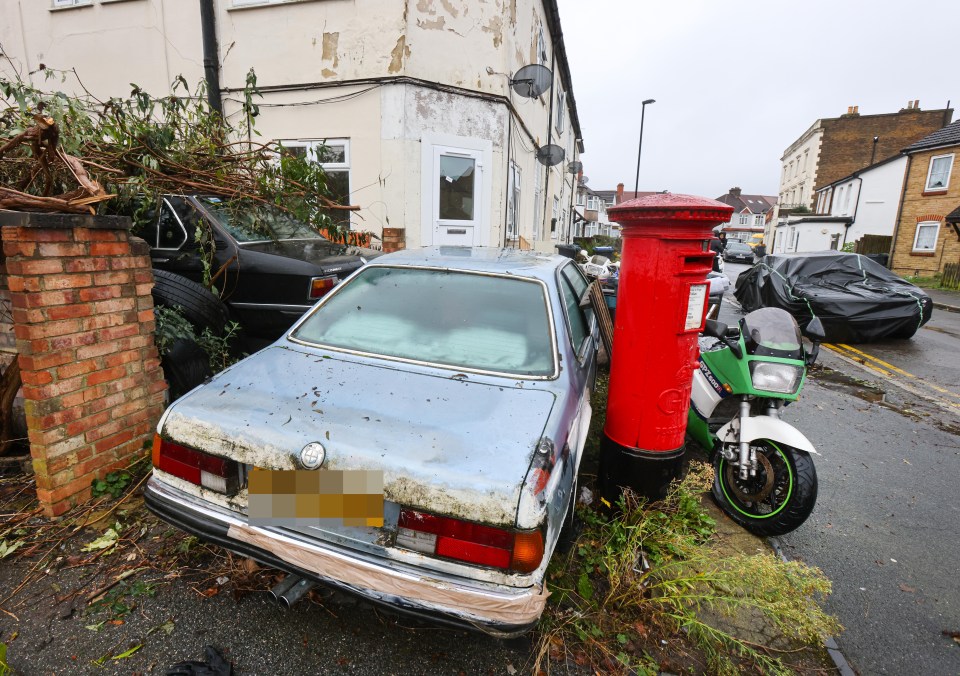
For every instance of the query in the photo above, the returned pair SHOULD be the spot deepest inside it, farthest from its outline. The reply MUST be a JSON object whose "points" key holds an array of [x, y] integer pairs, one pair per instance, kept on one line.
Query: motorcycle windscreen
{"points": [[772, 332]]}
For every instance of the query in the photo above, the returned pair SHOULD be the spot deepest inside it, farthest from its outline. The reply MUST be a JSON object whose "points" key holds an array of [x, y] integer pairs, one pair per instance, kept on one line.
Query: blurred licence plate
{"points": [[302, 498]]}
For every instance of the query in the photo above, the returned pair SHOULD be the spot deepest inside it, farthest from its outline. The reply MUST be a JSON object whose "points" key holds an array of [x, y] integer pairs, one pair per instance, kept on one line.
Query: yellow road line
{"points": [[861, 357], [882, 363]]}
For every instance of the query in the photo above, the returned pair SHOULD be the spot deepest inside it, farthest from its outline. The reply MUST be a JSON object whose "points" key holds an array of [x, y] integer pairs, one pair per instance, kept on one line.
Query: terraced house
{"points": [[927, 238], [408, 104]]}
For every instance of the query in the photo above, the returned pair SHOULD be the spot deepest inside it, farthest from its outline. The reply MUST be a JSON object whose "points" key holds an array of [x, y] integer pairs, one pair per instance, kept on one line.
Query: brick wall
{"points": [[918, 207], [80, 290], [394, 239], [847, 143]]}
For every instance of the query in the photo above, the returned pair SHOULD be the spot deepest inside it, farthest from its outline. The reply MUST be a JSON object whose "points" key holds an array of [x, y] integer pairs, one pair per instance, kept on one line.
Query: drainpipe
{"points": [[896, 226], [856, 206], [211, 56], [553, 79]]}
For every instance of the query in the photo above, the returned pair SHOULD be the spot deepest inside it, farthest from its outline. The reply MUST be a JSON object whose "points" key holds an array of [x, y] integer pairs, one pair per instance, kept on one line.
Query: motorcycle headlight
{"points": [[774, 377]]}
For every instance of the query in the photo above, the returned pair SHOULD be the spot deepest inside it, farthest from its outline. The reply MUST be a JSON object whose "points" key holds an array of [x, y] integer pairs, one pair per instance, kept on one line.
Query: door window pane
{"points": [[456, 187], [170, 233]]}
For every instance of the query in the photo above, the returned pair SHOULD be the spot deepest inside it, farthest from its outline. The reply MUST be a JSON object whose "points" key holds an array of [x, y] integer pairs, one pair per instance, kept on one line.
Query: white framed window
{"points": [[334, 156], [926, 237], [71, 3], [581, 199], [556, 217], [537, 203], [244, 3], [513, 201], [561, 109], [565, 227], [938, 175], [744, 219], [593, 203]]}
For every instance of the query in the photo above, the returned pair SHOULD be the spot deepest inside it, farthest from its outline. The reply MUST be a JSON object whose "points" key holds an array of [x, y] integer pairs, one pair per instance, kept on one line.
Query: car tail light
{"points": [[521, 551], [319, 286], [217, 474]]}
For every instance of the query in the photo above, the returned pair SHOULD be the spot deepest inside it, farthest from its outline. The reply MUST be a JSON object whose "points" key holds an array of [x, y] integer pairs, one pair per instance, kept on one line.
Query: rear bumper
{"points": [[496, 610]]}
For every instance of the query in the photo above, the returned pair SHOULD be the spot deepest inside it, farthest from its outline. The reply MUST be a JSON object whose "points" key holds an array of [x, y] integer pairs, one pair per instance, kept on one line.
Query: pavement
{"points": [[944, 299]]}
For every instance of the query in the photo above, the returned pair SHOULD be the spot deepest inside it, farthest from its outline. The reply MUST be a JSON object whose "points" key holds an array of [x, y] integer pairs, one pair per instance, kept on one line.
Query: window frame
{"points": [[946, 185], [936, 236], [514, 187], [314, 146], [593, 203], [165, 204], [68, 4], [555, 221], [563, 282]]}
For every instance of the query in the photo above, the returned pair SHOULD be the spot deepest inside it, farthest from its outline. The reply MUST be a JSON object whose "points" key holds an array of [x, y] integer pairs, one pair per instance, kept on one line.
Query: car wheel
{"points": [[201, 307]]}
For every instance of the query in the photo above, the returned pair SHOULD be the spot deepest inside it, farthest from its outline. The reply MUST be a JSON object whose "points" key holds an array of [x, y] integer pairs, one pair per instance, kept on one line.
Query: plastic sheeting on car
{"points": [[856, 299]]}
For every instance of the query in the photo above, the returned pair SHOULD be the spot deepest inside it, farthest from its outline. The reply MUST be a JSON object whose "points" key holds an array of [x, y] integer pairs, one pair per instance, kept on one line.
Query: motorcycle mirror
{"points": [[715, 329], [815, 330]]}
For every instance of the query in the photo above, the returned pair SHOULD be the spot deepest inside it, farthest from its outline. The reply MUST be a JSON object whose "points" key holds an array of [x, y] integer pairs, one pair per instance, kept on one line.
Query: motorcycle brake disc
{"points": [[738, 488]]}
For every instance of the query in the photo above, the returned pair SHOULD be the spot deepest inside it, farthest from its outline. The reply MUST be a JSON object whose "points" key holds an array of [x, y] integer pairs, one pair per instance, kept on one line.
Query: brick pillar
{"points": [[83, 318], [394, 239]]}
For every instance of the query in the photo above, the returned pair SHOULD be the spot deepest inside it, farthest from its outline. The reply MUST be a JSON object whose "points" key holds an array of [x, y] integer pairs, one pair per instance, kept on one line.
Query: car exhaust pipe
{"points": [[283, 587], [295, 591]]}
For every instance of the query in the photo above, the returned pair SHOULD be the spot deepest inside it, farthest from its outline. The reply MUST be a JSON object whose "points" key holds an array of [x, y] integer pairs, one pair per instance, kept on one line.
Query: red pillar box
{"points": [[661, 305]]}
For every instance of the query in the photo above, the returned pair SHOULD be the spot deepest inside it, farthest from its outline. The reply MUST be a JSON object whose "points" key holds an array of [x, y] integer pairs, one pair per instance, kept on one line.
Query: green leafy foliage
{"points": [[648, 570], [173, 326], [142, 146], [114, 484]]}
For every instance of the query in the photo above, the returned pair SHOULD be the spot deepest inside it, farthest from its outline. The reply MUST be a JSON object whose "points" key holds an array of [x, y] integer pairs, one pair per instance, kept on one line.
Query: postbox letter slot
{"points": [[702, 262]]}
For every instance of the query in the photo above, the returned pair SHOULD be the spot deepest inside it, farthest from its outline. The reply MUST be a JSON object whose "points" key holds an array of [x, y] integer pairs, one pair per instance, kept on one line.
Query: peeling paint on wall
{"points": [[437, 24], [330, 43], [398, 54], [495, 27], [447, 5], [426, 6]]}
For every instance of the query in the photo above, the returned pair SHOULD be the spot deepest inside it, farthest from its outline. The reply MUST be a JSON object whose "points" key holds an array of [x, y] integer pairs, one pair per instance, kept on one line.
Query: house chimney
{"points": [[849, 110], [916, 104], [619, 193], [735, 192]]}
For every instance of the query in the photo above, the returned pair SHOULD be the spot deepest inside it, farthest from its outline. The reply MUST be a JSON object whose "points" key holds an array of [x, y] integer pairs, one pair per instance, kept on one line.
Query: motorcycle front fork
{"points": [[744, 455]]}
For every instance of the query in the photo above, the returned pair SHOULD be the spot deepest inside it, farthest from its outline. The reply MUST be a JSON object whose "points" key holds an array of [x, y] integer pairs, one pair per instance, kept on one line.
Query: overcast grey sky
{"points": [[737, 81]]}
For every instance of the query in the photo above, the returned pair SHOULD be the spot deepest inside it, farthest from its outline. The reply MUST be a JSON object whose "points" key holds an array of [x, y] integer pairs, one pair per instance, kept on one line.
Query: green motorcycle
{"points": [[765, 478]]}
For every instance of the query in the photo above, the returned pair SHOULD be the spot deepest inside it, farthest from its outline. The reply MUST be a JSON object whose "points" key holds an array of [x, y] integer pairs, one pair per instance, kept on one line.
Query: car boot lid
{"points": [[445, 444]]}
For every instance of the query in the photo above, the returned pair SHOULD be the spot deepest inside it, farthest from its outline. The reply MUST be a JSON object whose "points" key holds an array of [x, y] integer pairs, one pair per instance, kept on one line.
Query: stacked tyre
{"points": [[186, 364]]}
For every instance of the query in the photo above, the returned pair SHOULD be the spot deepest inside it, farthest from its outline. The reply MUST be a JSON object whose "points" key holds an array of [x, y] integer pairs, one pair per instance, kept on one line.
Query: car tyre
{"points": [[201, 307], [185, 365]]}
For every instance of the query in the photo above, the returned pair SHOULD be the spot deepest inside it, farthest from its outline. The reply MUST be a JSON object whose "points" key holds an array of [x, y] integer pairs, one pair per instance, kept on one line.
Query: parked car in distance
{"points": [[856, 299], [738, 252], [461, 377], [269, 267]]}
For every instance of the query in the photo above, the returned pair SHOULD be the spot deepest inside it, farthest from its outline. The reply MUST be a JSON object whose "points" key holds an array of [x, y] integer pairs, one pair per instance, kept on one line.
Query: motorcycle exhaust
{"points": [[296, 591]]}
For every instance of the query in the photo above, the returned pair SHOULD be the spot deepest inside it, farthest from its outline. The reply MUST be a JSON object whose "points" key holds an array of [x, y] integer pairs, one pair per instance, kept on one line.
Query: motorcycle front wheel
{"points": [[778, 499]]}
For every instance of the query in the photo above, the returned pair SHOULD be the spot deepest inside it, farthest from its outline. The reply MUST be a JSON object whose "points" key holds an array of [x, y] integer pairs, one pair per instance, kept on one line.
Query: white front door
{"points": [[457, 196]]}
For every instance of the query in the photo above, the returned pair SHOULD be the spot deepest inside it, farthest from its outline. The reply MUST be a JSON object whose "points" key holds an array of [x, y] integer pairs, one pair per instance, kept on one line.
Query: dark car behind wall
{"points": [[856, 299], [268, 267]]}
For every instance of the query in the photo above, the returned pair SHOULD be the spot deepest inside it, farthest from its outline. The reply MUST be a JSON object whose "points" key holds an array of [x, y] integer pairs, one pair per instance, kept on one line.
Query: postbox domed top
{"points": [[671, 206]]}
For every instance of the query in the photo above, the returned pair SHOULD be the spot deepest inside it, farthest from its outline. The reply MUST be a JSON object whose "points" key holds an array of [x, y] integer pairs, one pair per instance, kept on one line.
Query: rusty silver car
{"points": [[455, 383]]}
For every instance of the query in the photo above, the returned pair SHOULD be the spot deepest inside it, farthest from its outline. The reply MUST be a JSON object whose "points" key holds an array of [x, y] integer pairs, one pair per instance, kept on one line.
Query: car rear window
{"points": [[449, 318]]}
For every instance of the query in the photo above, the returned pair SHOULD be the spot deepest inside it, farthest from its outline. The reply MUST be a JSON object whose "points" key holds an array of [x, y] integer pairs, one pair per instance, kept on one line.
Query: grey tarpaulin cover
{"points": [[856, 299]]}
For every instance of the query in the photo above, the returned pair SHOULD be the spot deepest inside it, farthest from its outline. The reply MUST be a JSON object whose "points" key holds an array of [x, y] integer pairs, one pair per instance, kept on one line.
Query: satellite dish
{"points": [[584, 180], [574, 167], [550, 155], [531, 81]]}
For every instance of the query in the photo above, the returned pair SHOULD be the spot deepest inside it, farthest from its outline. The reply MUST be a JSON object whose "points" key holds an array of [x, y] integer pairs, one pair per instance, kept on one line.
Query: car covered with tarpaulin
{"points": [[857, 299]]}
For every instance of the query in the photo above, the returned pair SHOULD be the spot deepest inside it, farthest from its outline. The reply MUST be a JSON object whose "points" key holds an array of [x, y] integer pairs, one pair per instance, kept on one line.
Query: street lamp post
{"points": [[643, 109]]}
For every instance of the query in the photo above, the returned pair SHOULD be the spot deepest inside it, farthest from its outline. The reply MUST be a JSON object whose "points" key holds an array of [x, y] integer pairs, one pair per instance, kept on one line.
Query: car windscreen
{"points": [[249, 221], [449, 318], [737, 247]]}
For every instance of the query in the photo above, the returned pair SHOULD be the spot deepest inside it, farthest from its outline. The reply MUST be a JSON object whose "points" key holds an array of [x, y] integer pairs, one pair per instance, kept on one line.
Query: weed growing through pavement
{"points": [[650, 573]]}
